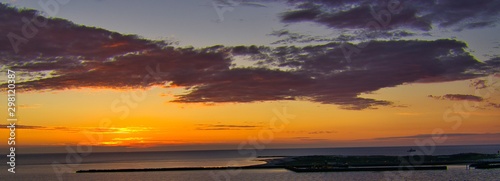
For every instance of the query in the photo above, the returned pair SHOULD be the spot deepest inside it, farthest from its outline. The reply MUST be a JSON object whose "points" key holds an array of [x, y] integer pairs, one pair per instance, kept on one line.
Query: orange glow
{"points": [[156, 122], [117, 44]]}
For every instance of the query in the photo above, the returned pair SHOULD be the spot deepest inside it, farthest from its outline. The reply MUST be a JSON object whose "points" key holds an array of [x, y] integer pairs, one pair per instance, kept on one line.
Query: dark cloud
{"points": [[322, 132], [288, 37], [61, 38], [491, 66], [414, 14], [479, 84], [449, 135], [20, 126], [319, 73], [309, 139], [458, 97], [311, 132], [370, 35], [292, 37], [464, 13], [221, 127], [358, 14], [64, 56], [494, 105], [31, 127], [185, 67], [247, 85]]}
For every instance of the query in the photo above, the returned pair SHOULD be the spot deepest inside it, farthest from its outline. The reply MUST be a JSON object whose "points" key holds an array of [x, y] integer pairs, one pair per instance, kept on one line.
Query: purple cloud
{"points": [[459, 97], [415, 14], [78, 56]]}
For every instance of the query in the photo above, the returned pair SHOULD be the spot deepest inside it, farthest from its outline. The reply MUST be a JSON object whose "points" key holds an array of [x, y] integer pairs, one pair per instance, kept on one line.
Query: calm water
{"points": [[40, 167]]}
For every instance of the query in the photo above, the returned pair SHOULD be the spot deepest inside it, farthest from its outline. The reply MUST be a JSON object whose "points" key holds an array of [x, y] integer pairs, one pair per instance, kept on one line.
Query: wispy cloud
{"points": [[494, 105], [310, 139], [312, 132], [449, 135], [138, 142], [222, 127], [408, 114], [19, 126], [458, 97], [47, 128], [113, 130], [118, 130], [322, 132], [29, 106]]}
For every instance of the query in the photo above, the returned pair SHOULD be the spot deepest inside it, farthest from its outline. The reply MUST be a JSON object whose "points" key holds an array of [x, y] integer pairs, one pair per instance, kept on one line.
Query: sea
{"points": [[62, 166]]}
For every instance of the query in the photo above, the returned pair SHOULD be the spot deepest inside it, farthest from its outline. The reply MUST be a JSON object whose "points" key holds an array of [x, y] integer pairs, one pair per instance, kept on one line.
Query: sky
{"points": [[232, 74]]}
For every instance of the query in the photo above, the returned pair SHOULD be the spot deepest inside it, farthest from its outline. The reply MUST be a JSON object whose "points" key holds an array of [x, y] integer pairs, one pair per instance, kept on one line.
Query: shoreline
{"points": [[179, 169], [295, 169], [336, 163]]}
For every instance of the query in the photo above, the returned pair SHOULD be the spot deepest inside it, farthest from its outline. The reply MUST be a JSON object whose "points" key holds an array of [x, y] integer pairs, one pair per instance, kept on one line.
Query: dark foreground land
{"points": [[349, 163]]}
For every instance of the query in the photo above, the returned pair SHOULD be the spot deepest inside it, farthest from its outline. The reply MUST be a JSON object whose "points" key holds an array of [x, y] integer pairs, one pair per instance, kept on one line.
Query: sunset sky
{"points": [[213, 74]]}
